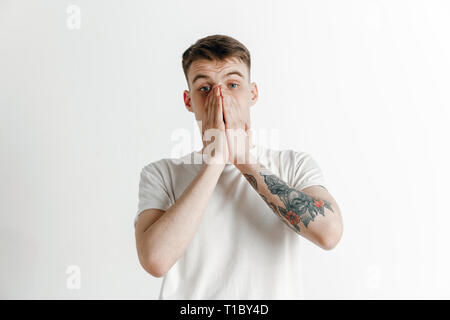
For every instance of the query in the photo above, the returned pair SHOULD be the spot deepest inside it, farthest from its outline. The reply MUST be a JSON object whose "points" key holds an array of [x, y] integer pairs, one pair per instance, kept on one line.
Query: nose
{"points": [[217, 86]]}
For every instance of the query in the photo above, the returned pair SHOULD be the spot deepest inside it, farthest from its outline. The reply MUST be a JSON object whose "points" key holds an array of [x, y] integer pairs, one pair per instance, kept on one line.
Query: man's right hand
{"points": [[215, 150]]}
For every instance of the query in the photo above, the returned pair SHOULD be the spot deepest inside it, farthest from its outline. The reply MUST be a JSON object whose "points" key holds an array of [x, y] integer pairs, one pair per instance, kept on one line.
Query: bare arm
{"points": [[312, 212], [161, 241]]}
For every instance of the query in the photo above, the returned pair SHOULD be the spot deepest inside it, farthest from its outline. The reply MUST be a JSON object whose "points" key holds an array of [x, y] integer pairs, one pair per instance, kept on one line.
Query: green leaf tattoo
{"points": [[299, 206]]}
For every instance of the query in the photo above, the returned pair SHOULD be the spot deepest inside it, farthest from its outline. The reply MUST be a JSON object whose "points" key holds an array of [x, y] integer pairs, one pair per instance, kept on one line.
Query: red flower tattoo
{"points": [[292, 217], [318, 203]]}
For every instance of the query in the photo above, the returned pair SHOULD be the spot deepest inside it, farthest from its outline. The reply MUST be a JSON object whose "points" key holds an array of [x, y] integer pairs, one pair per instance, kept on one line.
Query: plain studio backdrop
{"points": [[92, 91]]}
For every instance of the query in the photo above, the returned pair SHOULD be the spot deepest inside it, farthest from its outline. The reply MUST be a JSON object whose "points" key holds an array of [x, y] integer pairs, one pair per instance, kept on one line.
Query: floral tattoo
{"points": [[299, 207]]}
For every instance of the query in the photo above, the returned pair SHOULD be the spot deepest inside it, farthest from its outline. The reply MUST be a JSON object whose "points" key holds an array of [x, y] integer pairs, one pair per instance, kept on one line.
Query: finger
{"points": [[217, 107], [234, 114], [208, 111], [225, 107], [221, 104], [228, 108], [219, 111], [213, 104]]}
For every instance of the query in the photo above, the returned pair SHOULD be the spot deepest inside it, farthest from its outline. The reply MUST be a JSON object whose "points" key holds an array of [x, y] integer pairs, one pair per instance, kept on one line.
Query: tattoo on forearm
{"points": [[299, 207], [278, 213]]}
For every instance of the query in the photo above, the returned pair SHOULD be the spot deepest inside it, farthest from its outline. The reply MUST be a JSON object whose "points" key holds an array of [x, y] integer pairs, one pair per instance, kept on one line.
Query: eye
{"points": [[203, 90], [237, 85]]}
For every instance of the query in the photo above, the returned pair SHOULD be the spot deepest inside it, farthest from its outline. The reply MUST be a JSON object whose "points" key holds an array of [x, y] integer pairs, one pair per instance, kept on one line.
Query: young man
{"points": [[229, 224]]}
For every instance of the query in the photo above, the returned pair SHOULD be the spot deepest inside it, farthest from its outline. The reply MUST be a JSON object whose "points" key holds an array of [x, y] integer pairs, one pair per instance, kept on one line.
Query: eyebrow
{"points": [[200, 76]]}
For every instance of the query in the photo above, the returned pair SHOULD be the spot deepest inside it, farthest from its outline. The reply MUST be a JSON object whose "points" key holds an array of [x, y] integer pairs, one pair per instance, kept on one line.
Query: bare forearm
{"points": [[306, 214], [167, 238]]}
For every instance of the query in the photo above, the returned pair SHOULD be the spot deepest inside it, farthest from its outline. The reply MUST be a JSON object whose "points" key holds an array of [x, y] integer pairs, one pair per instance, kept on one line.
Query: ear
{"points": [[187, 100], [253, 93]]}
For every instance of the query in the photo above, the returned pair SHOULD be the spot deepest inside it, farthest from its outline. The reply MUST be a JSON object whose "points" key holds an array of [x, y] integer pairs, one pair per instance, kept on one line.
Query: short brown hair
{"points": [[215, 47]]}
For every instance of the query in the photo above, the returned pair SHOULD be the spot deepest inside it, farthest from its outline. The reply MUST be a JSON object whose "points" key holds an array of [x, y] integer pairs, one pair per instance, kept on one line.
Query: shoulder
{"points": [[287, 157], [155, 166], [169, 167], [166, 163], [298, 167]]}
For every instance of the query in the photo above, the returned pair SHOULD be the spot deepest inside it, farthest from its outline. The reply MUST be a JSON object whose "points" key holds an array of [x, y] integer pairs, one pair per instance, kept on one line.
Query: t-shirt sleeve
{"points": [[153, 193], [306, 171]]}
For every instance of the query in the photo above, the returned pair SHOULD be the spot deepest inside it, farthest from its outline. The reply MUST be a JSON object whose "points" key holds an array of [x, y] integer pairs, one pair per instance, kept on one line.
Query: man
{"points": [[230, 225]]}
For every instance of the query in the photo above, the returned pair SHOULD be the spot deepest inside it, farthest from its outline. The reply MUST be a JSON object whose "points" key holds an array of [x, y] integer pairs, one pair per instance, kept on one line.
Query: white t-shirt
{"points": [[241, 249]]}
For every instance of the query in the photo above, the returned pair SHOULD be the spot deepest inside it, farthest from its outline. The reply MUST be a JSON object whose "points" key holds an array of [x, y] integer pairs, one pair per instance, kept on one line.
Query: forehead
{"points": [[213, 67]]}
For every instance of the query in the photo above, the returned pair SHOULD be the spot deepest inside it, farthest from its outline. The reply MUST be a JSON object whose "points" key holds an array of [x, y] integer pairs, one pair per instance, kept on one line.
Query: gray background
{"points": [[360, 85]]}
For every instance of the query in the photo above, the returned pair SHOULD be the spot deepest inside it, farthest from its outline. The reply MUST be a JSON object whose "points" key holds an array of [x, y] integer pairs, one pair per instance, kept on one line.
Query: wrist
{"points": [[216, 161], [216, 167], [250, 161]]}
